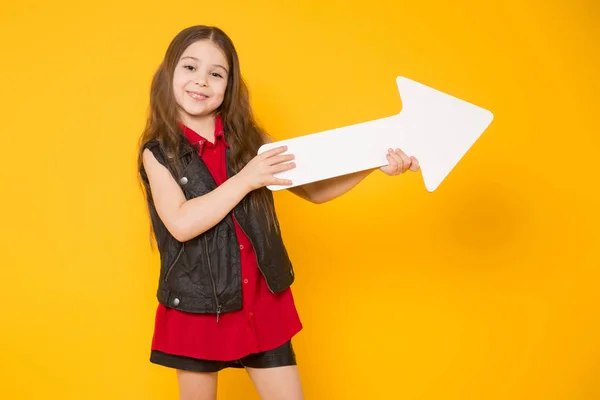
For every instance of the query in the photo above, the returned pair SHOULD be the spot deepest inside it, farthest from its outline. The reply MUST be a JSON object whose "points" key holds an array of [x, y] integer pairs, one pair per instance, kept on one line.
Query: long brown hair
{"points": [[242, 132]]}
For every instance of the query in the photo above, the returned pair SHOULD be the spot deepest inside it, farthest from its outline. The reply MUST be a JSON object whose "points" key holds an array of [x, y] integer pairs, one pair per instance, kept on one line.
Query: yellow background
{"points": [[484, 289]]}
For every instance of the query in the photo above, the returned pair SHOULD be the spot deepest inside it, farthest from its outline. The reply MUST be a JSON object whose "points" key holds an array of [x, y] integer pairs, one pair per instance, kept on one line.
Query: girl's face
{"points": [[200, 80]]}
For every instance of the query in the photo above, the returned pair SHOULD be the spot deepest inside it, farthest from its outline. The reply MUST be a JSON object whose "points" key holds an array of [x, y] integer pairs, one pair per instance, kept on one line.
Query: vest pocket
{"points": [[172, 265], [192, 272]]}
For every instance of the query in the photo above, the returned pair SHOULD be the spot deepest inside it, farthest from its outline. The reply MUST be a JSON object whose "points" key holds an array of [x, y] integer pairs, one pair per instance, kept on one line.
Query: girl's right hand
{"points": [[260, 170]]}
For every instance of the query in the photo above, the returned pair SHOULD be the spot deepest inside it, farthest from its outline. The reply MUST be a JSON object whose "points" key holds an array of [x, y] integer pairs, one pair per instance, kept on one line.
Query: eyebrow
{"points": [[197, 59]]}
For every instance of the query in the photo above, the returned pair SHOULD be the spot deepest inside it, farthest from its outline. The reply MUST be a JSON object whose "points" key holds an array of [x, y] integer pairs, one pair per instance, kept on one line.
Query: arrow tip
{"points": [[444, 128]]}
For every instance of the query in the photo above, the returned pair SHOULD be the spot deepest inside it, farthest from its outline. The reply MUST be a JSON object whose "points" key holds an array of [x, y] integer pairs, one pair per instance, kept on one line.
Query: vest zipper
{"points": [[254, 249], [212, 279]]}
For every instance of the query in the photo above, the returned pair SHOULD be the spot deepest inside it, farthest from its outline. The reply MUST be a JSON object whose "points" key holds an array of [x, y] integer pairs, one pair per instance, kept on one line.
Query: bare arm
{"points": [[186, 219], [327, 190]]}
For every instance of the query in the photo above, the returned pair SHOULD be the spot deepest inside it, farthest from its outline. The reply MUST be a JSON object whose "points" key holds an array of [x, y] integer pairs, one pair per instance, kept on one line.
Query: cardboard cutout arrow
{"points": [[436, 128]]}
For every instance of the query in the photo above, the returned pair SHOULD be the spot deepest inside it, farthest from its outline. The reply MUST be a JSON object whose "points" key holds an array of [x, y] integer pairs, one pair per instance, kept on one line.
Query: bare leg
{"points": [[279, 383], [197, 385]]}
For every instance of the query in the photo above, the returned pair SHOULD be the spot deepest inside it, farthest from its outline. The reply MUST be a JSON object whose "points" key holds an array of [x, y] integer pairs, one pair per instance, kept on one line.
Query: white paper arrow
{"points": [[436, 128]]}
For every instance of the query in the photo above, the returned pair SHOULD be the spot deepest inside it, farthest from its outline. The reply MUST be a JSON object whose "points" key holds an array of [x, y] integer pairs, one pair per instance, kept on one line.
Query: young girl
{"points": [[224, 286]]}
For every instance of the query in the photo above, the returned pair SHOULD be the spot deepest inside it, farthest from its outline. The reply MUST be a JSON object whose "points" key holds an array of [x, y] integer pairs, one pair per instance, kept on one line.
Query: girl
{"points": [[224, 286]]}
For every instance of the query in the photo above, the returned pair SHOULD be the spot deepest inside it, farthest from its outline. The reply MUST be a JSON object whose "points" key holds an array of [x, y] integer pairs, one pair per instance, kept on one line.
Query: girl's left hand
{"points": [[399, 163]]}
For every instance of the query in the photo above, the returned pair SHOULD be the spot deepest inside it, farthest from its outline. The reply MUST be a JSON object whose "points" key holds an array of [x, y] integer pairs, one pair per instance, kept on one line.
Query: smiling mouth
{"points": [[197, 96]]}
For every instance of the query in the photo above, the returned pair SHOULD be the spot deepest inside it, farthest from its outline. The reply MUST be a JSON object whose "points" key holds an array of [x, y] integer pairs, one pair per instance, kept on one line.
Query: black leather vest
{"points": [[203, 274]]}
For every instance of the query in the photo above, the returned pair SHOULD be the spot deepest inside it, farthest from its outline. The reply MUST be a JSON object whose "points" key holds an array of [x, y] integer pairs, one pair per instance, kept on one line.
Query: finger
{"points": [[392, 163], [282, 167], [279, 182], [398, 163], [405, 160], [274, 151], [414, 165], [279, 159]]}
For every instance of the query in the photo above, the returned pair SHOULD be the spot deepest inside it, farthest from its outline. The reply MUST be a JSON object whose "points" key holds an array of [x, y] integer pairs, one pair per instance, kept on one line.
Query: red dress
{"points": [[265, 321]]}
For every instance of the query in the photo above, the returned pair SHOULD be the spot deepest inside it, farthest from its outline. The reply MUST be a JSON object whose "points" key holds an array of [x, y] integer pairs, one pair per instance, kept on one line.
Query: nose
{"points": [[200, 81]]}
